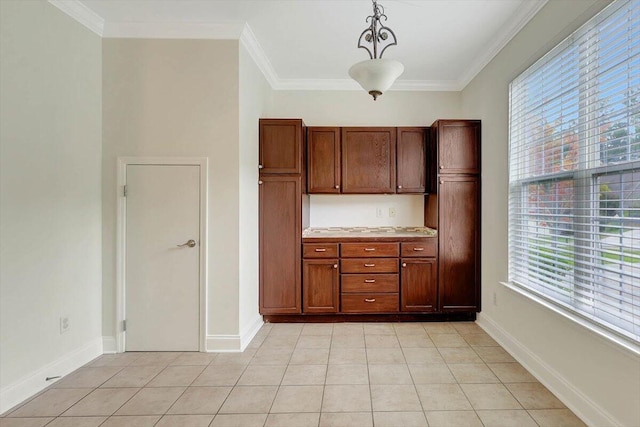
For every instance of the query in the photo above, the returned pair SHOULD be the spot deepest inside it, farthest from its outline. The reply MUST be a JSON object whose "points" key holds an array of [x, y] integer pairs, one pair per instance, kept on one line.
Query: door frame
{"points": [[121, 230]]}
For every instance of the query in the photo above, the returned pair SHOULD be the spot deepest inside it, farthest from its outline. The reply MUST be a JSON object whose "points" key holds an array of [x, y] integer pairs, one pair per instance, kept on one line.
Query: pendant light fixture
{"points": [[376, 75]]}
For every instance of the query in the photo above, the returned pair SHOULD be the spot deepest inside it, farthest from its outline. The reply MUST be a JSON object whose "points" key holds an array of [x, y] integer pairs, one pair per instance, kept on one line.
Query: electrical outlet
{"points": [[392, 212], [378, 212], [65, 325], [495, 298]]}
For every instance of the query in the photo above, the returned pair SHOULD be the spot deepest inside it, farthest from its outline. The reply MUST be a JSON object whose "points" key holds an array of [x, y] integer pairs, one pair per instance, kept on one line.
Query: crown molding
{"points": [[521, 18], [250, 42], [81, 13], [174, 30]]}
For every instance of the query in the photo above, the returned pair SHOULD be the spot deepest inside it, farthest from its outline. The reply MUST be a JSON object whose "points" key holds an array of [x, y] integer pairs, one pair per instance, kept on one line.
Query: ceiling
{"points": [[310, 44]]}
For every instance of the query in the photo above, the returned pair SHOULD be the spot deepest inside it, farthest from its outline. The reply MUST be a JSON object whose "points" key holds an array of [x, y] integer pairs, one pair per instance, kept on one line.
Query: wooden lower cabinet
{"points": [[321, 286], [419, 285], [369, 303], [280, 201], [459, 242]]}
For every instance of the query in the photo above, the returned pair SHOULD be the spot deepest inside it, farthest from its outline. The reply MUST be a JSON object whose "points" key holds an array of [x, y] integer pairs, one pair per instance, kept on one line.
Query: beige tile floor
{"points": [[345, 374]]}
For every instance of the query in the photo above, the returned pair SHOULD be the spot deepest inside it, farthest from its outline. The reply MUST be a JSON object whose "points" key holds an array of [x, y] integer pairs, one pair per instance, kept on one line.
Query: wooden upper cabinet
{"points": [[458, 146], [369, 160], [281, 146], [323, 159], [411, 160]]}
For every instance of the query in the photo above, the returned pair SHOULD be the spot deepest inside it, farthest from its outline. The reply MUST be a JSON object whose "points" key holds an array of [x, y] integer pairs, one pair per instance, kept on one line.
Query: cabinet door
{"points": [[458, 146], [323, 160], [320, 292], [419, 285], [281, 148], [368, 160], [411, 160], [280, 238], [459, 242]]}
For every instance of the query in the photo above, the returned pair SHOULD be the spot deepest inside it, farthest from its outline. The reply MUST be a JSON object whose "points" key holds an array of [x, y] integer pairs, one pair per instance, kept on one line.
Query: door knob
{"points": [[191, 243]]}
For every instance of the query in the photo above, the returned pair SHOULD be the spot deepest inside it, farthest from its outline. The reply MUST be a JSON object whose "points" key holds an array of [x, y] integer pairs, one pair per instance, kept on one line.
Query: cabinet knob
{"points": [[441, 166], [400, 186], [335, 265], [259, 182], [337, 187], [404, 264], [441, 182], [260, 166], [369, 300]]}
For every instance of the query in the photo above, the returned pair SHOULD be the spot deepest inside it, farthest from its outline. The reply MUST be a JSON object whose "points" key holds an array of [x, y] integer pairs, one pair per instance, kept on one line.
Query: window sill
{"points": [[618, 341]]}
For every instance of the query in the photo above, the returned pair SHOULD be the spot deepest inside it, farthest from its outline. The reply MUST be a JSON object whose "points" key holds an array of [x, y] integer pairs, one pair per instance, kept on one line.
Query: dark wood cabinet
{"points": [[323, 160], [321, 290], [459, 241], [281, 147], [419, 285], [280, 234], [368, 160], [411, 149], [458, 146]]}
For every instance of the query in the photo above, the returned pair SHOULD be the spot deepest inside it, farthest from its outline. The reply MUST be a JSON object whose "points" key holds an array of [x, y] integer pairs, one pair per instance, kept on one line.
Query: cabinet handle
{"points": [[335, 265], [260, 166], [369, 281], [259, 182], [337, 187], [321, 250], [404, 264], [369, 249], [415, 249], [369, 265], [369, 300]]}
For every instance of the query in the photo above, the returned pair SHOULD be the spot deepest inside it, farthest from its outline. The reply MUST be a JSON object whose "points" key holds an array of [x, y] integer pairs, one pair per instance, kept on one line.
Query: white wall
{"points": [[177, 98], [346, 210], [597, 379], [255, 99], [50, 144]]}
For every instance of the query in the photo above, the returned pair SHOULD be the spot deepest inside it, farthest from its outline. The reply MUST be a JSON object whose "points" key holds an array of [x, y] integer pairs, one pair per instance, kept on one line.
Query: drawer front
{"points": [[428, 248], [370, 283], [320, 250], [369, 250], [369, 265], [370, 303]]}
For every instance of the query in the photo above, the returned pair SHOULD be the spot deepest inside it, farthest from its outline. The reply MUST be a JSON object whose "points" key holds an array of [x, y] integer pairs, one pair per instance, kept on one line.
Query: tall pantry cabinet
{"points": [[283, 213], [453, 207]]}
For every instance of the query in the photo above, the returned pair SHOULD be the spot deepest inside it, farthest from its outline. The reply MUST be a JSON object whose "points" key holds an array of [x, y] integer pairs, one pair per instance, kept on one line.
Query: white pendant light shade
{"points": [[376, 75]]}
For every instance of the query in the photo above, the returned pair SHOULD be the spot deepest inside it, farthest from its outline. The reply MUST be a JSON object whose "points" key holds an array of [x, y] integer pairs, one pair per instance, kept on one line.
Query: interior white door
{"points": [[162, 258]]}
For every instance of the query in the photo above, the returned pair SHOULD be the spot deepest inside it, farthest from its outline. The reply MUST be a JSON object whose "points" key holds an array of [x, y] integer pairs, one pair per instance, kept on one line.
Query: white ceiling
{"points": [[310, 44]]}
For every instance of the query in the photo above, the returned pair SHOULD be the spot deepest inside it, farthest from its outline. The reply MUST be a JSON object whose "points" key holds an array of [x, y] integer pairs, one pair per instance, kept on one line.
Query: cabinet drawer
{"points": [[370, 283], [320, 250], [369, 265], [428, 248], [369, 250], [370, 303]]}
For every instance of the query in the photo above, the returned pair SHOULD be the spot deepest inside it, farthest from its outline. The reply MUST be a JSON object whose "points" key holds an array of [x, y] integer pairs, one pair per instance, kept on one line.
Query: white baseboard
{"points": [[250, 332], [591, 413], [109, 345], [233, 343], [34, 382]]}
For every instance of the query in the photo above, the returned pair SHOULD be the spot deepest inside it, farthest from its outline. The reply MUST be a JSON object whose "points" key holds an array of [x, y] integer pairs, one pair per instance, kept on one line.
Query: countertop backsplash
{"points": [[366, 210]]}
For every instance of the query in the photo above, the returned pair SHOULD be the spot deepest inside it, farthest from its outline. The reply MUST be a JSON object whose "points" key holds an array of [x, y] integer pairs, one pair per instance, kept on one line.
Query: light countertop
{"points": [[368, 232]]}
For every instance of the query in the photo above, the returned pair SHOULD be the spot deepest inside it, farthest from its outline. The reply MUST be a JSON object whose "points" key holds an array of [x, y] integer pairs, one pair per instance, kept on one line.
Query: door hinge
{"points": [[124, 326], [124, 190]]}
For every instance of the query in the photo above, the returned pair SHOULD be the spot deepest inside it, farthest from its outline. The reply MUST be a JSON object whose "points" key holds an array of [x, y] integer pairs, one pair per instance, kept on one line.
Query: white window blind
{"points": [[574, 172]]}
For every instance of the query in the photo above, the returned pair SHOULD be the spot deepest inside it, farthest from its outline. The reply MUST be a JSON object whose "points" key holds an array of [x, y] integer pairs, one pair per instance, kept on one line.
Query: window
{"points": [[574, 173]]}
